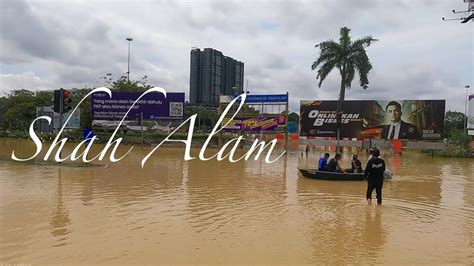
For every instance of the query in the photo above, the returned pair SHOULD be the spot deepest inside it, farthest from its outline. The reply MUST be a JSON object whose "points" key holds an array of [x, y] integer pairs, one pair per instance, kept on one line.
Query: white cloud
{"points": [[26, 80], [72, 44]]}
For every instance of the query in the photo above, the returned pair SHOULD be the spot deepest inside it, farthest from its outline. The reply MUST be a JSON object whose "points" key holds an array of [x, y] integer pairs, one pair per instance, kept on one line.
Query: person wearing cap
{"points": [[398, 129], [374, 174]]}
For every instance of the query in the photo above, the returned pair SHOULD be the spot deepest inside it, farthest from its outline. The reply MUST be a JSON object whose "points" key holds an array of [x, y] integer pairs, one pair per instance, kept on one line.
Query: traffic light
{"points": [[57, 101], [64, 97], [67, 101]]}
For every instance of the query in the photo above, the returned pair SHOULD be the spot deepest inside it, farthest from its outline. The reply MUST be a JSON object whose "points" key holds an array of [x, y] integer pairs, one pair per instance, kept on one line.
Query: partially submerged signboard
{"points": [[152, 105], [381, 119], [43, 125], [258, 113], [255, 123]]}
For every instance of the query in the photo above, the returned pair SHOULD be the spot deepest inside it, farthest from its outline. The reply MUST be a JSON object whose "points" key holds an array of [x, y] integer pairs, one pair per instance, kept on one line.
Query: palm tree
{"points": [[348, 57]]}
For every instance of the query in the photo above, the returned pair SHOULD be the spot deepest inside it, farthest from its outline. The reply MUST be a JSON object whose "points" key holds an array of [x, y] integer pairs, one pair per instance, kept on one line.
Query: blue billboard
{"points": [[271, 98], [153, 105]]}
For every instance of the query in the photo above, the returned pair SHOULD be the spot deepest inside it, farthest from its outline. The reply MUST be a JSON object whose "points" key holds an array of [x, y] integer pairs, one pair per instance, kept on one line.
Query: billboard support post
{"points": [[219, 140], [61, 111], [262, 115], [141, 127], [470, 117], [61, 108], [465, 107], [286, 120]]}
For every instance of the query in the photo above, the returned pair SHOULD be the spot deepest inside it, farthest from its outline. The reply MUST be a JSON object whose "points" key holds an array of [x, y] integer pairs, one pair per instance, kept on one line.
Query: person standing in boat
{"points": [[374, 174], [323, 162], [333, 165]]}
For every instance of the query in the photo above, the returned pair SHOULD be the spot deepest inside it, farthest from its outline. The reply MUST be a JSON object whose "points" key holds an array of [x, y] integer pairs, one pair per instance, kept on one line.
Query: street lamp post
{"points": [[129, 39], [465, 107]]}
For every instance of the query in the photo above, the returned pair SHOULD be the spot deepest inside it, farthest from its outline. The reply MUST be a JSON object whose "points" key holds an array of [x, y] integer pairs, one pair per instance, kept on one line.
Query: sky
{"points": [[46, 45]]}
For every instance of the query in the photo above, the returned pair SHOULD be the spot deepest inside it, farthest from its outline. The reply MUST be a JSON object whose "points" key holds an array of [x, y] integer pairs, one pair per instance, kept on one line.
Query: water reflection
{"points": [[221, 212], [60, 220], [344, 229], [374, 235], [395, 162], [87, 188]]}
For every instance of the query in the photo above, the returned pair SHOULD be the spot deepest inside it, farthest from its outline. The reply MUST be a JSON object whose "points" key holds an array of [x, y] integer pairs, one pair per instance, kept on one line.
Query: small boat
{"points": [[323, 175]]}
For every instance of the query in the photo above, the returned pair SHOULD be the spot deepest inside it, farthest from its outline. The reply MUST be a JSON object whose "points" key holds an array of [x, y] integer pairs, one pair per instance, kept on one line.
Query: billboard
{"points": [[269, 98], [255, 123], [381, 119], [272, 98], [73, 123], [153, 106]]}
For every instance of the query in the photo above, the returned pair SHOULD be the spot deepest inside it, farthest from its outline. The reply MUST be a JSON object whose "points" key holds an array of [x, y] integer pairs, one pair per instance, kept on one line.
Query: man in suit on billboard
{"points": [[398, 129]]}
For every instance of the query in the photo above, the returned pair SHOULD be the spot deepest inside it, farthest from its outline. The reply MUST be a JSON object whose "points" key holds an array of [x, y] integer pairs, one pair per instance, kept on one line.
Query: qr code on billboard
{"points": [[176, 109]]}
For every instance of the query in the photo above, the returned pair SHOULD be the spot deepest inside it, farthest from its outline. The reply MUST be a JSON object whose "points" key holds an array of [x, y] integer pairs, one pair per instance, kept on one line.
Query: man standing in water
{"points": [[374, 173]]}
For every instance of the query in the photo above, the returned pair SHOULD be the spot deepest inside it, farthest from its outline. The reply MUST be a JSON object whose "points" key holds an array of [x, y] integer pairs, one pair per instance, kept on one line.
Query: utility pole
{"points": [[129, 39], [61, 108], [141, 126]]}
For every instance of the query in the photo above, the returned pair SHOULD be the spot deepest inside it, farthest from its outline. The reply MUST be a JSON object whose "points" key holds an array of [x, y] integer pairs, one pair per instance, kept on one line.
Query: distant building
{"points": [[213, 74]]}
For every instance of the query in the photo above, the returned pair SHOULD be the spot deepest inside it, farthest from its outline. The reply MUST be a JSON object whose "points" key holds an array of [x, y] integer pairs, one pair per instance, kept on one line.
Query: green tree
{"points": [[454, 124], [206, 119], [20, 107], [212, 119], [348, 57], [458, 137], [86, 117], [454, 120], [122, 84], [3, 101]]}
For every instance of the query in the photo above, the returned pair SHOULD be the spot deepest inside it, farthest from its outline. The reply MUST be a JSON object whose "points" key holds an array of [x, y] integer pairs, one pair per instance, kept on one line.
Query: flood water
{"points": [[173, 211]]}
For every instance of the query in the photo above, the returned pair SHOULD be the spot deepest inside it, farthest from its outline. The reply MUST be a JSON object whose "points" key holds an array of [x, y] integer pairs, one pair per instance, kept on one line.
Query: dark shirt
{"points": [[356, 166], [375, 168], [407, 131], [323, 164], [333, 165]]}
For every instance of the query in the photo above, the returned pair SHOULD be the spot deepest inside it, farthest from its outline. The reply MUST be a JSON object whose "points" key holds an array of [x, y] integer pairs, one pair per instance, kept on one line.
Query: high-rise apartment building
{"points": [[214, 74]]}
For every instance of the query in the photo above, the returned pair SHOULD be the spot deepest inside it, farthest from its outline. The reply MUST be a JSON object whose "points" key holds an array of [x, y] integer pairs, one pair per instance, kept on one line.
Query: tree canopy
{"points": [[348, 57]]}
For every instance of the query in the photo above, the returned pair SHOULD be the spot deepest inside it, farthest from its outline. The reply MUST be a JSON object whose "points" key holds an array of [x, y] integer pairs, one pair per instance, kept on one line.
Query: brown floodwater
{"points": [[173, 211]]}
